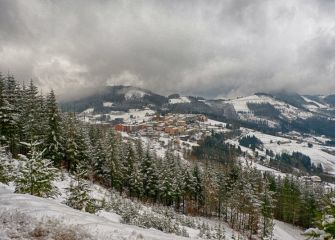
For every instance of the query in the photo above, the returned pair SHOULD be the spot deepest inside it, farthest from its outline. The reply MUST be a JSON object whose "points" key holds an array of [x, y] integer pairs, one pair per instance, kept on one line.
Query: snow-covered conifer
{"points": [[78, 193], [36, 174], [54, 139]]}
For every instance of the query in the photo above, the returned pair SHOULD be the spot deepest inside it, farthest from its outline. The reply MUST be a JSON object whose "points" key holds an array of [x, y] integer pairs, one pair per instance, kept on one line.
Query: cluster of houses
{"points": [[184, 128], [171, 124]]}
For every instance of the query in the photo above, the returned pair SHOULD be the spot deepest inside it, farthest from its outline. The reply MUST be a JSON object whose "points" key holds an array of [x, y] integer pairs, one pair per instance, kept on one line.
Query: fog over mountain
{"points": [[208, 48]]}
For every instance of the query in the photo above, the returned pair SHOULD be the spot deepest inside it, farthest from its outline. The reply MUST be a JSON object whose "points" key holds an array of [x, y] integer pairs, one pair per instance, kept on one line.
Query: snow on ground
{"points": [[284, 231], [133, 115], [88, 110], [215, 123], [108, 104], [250, 163], [313, 104], [101, 227], [107, 225], [134, 93], [179, 100], [157, 147]]}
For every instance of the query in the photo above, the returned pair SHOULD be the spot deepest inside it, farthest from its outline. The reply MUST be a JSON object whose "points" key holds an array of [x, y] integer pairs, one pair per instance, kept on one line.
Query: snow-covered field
{"points": [[133, 115], [251, 163], [313, 105], [280, 145], [134, 93], [288, 111], [179, 100], [108, 104]]}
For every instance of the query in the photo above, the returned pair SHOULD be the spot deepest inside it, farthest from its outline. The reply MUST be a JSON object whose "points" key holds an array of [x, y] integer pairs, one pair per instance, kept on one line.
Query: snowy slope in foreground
{"points": [[99, 226]]}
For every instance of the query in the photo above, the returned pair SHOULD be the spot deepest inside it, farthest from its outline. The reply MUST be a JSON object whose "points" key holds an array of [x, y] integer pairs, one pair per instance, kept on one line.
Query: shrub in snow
{"points": [[152, 220], [78, 194], [15, 225], [181, 219], [325, 229], [134, 214], [35, 174], [6, 166], [207, 232]]}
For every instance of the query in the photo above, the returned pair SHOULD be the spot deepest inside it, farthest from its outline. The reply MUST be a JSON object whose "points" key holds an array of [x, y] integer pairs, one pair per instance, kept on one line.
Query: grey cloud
{"points": [[209, 48]]}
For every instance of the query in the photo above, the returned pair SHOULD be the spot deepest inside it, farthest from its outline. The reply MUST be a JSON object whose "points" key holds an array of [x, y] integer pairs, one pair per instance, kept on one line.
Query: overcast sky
{"points": [[209, 48]]}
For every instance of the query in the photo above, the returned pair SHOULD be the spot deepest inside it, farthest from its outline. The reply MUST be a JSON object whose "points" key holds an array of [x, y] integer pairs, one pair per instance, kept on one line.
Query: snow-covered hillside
{"points": [[317, 152], [288, 111], [104, 225], [98, 226]]}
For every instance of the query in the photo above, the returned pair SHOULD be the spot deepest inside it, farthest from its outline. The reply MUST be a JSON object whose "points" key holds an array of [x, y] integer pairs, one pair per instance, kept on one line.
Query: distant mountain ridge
{"points": [[123, 97], [281, 111]]}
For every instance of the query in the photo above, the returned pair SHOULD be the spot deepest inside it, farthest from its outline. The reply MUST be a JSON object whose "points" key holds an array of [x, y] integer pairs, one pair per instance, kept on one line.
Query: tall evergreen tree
{"points": [[54, 140], [150, 178], [167, 184], [112, 166], [10, 115], [267, 205], [74, 145], [129, 167], [2, 109], [198, 193], [32, 121]]}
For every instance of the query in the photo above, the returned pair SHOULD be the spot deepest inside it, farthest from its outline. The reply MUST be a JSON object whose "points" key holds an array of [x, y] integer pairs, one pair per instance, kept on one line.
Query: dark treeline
{"points": [[264, 110], [250, 142], [289, 163]]}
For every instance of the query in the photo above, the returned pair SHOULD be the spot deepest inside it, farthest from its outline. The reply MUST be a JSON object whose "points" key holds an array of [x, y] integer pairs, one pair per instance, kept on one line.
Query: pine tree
{"points": [[9, 115], [99, 157], [2, 109], [136, 183], [150, 178], [78, 193], [35, 174], [32, 119], [188, 187], [54, 140], [75, 145], [267, 205], [112, 167], [167, 184], [129, 168], [198, 187]]}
